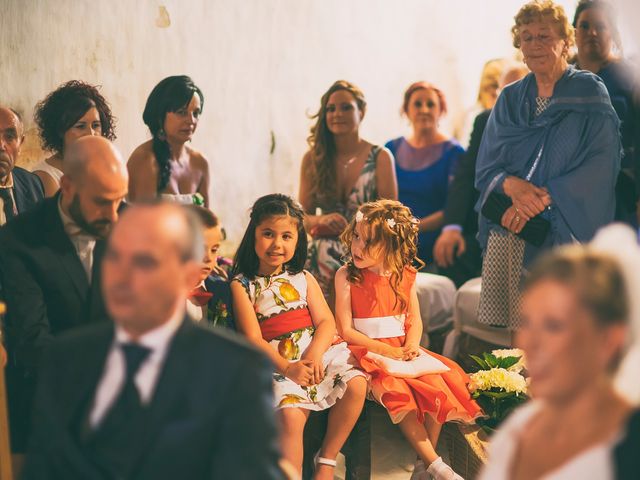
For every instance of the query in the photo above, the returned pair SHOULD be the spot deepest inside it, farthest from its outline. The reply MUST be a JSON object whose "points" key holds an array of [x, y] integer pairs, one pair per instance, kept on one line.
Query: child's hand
{"points": [[392, 352], [301, 372], [410, 351], [316, 365]]}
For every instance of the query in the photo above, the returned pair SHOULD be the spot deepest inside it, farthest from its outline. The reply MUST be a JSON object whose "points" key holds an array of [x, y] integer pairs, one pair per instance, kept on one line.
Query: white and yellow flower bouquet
{"points": [[499, 386]]}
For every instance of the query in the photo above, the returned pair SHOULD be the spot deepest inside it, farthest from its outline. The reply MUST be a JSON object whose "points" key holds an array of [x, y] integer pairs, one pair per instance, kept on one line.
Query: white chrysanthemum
{"points": [[359, 216], [512, 352], [506, 380], [391, 222]]}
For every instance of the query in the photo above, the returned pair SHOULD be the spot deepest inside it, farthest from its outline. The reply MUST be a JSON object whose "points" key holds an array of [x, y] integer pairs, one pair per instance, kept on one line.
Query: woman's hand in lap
{"points": [[331, 224]]}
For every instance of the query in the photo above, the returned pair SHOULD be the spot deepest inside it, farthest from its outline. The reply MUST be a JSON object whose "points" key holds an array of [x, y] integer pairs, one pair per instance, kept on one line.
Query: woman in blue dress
{"points": [[425, 163]]}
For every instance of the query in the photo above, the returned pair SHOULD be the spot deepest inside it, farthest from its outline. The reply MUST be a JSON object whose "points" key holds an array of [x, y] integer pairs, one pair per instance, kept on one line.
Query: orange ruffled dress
{"points": [[444, 396]]}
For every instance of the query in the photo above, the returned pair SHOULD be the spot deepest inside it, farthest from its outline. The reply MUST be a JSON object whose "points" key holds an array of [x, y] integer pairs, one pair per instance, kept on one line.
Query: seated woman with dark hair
{"points": [[73, 110], [166, 166]]}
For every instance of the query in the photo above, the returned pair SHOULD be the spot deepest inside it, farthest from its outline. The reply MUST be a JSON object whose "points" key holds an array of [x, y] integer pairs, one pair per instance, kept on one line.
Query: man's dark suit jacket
{"points": [[47, 292], [27, 189], [459, 210], [211, 416]]}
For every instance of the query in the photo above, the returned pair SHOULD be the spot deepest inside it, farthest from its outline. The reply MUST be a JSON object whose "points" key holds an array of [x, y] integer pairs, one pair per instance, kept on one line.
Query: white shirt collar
{"points": [[71, 228], [158, 338]]}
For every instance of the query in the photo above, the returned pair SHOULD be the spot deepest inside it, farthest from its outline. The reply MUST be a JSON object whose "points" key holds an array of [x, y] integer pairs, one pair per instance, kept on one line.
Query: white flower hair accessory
{"points": [[415, 221], [391, 222], [359, 216]]}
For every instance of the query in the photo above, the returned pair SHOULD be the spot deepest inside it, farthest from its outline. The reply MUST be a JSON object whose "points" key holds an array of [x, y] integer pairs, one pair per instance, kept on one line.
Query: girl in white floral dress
{"points": [[281, 309]]}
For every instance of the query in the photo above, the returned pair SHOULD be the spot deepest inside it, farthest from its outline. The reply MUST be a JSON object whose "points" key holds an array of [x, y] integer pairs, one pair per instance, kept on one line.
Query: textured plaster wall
{"points": [[262, 65]]}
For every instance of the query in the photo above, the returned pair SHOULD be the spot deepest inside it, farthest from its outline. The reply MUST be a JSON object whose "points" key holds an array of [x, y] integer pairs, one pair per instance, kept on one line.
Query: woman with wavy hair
{"points": [[71, 111], [166, 166], [340, 172]]}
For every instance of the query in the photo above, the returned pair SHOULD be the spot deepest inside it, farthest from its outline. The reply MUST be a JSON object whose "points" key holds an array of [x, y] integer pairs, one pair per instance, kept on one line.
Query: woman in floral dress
{"points": [[340, 172]]}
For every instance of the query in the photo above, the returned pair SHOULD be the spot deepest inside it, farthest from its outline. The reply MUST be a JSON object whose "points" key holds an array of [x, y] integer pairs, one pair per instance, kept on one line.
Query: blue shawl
{"points": [[578, 145]]}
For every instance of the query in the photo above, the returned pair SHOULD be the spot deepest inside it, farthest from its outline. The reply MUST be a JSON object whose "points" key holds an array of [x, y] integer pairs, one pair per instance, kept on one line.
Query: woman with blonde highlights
{"points": [[377, 313], [340, 172], [487, 95], [548, 162]]}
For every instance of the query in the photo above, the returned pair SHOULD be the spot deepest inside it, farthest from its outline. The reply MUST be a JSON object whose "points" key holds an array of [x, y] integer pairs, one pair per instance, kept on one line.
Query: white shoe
{"points": [[318, 460], [441, 471]]}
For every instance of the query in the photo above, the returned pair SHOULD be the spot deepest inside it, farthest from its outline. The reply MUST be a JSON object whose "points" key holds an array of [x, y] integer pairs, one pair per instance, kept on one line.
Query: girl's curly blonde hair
{"points": [[388, 227]]}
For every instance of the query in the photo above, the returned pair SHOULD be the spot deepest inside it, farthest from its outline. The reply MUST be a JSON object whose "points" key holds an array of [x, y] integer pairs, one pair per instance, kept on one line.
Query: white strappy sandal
{"points": [[318, 460]]}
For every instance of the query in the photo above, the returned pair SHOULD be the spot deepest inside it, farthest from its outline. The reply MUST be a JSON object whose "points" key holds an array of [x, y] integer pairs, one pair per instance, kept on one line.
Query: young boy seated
{"points": [[211, 298]]}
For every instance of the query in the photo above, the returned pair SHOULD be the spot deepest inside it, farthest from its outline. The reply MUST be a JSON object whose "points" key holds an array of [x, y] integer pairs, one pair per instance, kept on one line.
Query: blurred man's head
{"points": [[152, 262], [11, 137], [94, 184]]}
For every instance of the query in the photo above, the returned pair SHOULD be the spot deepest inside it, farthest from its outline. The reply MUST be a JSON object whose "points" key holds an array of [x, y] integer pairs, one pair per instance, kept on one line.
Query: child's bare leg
{"points": [[292, 421], [342, 417], [433, 430], [416, 433]]}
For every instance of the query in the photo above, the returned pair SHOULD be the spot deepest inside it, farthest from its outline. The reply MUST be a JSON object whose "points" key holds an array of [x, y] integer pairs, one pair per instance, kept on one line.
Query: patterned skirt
{"points": [[502, 273], [339, 367]]}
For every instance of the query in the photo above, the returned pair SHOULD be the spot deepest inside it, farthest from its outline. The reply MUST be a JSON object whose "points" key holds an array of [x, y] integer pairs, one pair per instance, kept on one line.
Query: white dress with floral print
{"points": [[282, 293]]}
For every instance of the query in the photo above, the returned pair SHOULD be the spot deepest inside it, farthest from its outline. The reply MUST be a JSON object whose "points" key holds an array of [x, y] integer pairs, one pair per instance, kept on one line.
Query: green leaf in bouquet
{"points": [[480, 362], [498, 395], [491, 360], [508, 362]]}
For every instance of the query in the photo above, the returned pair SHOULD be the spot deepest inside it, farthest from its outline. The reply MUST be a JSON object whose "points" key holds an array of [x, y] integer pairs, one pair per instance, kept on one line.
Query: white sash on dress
{"points": [[381, 327]]}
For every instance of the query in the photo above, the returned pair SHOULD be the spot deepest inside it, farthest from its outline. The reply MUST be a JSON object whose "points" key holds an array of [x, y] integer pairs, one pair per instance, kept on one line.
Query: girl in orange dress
{"points": [[377, 311]]}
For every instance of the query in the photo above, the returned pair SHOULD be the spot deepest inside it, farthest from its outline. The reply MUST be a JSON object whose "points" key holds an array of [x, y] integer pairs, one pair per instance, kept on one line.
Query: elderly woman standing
{"points": [[548, 162], [599, 51]]}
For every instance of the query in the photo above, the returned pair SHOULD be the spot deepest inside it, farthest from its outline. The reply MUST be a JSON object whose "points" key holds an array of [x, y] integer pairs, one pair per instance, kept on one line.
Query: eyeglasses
{"points": [[543, 39]]}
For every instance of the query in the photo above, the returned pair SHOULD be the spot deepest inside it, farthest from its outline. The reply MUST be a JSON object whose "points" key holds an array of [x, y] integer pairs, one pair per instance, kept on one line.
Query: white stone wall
{"points": [[262, 65]]}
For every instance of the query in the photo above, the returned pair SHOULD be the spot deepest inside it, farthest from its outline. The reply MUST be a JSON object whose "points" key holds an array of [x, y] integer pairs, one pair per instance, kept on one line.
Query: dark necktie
{"points": [[119, 433], [10, 210]]}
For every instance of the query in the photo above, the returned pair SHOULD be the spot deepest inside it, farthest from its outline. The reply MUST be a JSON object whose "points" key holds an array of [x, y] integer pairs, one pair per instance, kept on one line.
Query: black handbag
{"points": [[536, 229]]}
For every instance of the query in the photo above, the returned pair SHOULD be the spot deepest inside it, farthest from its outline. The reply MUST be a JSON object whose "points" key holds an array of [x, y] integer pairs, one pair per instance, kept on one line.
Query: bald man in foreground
{"points": [[49, 263], [154, 396]]}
